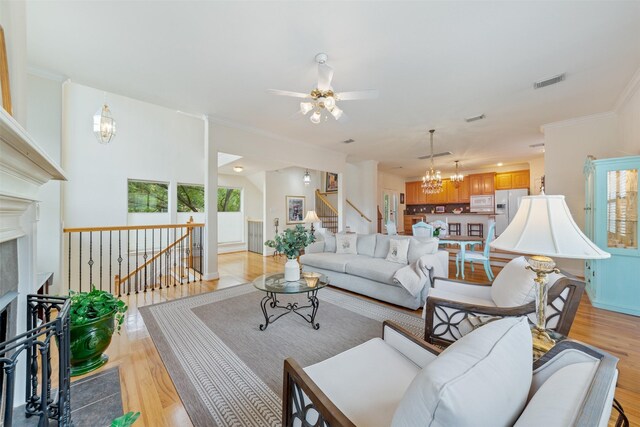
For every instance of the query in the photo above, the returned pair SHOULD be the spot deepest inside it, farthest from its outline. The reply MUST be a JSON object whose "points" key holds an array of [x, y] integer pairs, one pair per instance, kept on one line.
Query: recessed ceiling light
{"points": [[238, 168], [500, 164]]}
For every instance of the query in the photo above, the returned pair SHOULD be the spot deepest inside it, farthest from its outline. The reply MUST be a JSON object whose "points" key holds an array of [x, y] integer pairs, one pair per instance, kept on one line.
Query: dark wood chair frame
{"points": [[449, 320], [297, 384]]}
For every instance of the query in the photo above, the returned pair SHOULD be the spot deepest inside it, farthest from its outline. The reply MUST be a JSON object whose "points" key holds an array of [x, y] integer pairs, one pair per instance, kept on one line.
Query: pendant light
{"points": [[307, 178], [457, 177], [104, 126], [432, 179]]}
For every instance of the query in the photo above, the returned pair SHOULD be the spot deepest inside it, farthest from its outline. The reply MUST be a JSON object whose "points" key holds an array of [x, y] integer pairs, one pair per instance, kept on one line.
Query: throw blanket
{"points": [[414, 276]]}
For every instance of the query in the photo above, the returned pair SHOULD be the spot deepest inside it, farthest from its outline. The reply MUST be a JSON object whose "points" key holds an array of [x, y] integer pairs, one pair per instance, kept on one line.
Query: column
{"points": [[211, 202]]}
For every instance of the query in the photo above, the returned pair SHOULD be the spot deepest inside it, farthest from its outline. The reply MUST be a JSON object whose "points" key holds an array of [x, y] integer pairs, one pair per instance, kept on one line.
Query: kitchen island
{"points": [[463, 218]]}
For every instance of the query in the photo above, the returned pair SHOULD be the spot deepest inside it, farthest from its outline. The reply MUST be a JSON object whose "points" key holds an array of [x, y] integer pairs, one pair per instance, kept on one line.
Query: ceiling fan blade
{"points": [[325, 74], [343, 118], [288, 93], [363, 94]]}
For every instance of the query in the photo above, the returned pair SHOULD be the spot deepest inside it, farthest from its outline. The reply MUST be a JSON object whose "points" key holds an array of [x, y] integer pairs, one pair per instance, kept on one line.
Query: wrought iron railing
{"points": [[47, 322], [132, 259]]}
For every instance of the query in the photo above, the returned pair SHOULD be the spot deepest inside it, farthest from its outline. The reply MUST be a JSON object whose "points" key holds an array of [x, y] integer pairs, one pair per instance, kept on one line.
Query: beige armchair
{"points": [[452, 303], [401, 381]]}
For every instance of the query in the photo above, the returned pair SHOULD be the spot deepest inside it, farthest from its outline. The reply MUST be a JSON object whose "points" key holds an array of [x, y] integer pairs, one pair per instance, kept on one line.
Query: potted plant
{"points": [[93, 317], [290, 243]]}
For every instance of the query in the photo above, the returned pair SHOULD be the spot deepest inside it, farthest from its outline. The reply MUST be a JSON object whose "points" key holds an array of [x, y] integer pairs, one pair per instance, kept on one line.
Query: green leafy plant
{"points": [[88, 306], [291, 241], [126, 420]]}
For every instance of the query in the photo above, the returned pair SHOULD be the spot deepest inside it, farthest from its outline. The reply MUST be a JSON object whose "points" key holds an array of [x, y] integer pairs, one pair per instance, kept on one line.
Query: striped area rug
{"points": [[228, 372]]}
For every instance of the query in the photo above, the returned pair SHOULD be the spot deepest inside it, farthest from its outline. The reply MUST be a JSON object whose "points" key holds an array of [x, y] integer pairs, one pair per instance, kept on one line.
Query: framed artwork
{"points": [[5, 94], [295, 209], [402, 198], [330, 182]]}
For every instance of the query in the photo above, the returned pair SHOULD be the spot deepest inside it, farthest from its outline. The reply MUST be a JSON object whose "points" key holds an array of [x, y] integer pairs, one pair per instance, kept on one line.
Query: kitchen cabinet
{"points": [[521, 179], [611, 222], [458, 194], [504, 181], [512, 180], [482, 183], [414, 194]]}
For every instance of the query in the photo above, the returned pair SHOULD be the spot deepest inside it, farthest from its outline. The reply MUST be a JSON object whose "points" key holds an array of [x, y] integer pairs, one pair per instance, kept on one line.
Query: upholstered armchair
{"points": [[484, 379], [453, 307]]}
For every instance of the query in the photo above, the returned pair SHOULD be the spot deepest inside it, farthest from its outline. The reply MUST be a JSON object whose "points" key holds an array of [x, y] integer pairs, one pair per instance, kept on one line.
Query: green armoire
{"points": [[611, 210]]}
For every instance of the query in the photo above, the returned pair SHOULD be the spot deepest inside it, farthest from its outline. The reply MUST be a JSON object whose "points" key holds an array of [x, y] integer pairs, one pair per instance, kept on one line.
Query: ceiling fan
{"points": [[322, 99]]}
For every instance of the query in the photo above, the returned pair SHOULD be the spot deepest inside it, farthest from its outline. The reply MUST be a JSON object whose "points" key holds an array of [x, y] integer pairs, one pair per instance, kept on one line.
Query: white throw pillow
{"points": [[483, 379], [514, 285], [329, 241], [347, 243], [398, 250], [417, 248]]}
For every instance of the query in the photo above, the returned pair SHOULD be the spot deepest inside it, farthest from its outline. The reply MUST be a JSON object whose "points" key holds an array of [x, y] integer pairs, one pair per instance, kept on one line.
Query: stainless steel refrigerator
{"points": [[507, 203]]}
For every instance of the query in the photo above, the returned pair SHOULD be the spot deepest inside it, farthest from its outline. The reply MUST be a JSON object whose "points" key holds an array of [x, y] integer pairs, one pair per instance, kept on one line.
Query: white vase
{"points": [[292, 270]]}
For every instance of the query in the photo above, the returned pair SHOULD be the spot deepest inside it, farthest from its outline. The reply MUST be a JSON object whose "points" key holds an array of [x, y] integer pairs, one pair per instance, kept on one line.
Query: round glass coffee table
{"points": [[274, 285]]}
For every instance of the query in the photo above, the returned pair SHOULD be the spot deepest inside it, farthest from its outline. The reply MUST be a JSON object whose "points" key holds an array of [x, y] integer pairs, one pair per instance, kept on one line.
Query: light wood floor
{"points": [[147, 387]]}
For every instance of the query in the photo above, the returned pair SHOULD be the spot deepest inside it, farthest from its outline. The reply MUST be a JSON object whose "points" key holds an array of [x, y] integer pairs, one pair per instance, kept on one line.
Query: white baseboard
{"points": [[211, 276], [232, 247]]}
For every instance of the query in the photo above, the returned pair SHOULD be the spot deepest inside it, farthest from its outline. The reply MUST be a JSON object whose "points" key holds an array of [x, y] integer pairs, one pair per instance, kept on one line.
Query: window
{"points": [[229, 199], [145, 196], [190, 198]]}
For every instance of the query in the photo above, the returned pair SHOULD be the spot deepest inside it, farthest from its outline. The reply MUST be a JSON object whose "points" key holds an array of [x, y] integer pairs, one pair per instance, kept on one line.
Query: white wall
{"points": [[278, 185], [44, 120], [152, 143], [628, 110], [536, 172], [391, 182], [232, 229], [361, 188], [255, 144], [567, 145]]}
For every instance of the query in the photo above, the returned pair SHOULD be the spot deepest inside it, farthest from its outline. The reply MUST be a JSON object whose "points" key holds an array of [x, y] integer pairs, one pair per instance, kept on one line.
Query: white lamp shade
{"points": [[311, 217], [543, 226]]}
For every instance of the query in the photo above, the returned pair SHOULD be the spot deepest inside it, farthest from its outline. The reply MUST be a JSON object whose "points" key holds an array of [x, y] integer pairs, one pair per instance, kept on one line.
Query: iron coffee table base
{"points": [[271, 300]]}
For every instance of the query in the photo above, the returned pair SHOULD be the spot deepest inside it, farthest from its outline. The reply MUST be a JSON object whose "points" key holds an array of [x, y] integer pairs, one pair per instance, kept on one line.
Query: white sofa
{"points": [[484, 379], [368, 272]]}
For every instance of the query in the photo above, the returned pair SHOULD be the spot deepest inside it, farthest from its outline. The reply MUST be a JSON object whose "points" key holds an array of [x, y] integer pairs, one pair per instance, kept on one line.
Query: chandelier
{"points": [[432, 179], [104, 127], [457, 177]]}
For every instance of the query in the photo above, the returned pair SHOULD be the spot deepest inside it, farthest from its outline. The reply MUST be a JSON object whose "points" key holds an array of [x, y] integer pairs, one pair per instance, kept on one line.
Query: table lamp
{"points": [[543, 227], [311, 218]]}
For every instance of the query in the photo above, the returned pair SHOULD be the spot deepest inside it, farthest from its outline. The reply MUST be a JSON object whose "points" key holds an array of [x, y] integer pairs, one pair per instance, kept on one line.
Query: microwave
{"points": [[482, 204]]}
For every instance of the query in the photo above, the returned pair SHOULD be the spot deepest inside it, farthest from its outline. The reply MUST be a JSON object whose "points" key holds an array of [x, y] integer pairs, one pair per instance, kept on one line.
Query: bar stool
{"points": [[455, 228], [475, 229]]}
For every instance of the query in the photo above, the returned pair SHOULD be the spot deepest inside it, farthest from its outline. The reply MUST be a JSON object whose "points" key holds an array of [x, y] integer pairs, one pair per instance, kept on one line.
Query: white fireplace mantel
{"points": [[24, 168]]}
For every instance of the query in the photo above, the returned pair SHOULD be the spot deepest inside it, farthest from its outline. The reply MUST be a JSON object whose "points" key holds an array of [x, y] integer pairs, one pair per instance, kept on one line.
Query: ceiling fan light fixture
{"points": [[329, 102], [305, 107], [315, 117], [336, 112]]}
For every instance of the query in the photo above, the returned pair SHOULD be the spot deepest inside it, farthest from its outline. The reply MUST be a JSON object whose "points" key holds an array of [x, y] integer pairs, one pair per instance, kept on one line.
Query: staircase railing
{"points": [[362, 215], [47, 333], [326, 212], [132, 259]]}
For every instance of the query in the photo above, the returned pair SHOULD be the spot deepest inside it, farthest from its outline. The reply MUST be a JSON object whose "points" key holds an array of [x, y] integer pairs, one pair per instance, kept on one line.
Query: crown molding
{"points": [[632, 87], [575, 120]]}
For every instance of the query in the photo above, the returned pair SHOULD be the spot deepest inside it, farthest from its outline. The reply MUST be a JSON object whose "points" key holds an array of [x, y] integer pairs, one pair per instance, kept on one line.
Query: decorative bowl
{"points": [[457, 211], [311, 278]]}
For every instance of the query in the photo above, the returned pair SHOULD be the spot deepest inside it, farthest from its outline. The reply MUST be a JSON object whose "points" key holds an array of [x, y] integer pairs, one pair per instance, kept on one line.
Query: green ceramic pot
{"points": [[88, 342]]}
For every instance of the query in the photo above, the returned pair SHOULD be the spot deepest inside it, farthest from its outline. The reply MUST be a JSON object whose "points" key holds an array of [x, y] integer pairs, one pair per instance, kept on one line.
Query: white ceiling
{"points": [[249, 165], [434, 63]]}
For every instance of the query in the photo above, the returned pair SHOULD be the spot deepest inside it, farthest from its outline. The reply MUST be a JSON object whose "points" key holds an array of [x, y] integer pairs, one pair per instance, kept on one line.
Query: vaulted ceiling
{"points": [[434, 63]]}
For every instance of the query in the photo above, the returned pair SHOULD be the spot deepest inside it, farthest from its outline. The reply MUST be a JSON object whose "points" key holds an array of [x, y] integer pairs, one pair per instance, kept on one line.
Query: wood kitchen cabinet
{"points": [[521, 179], [414, 194], [512, 180], [459, 194], [482, 183]]}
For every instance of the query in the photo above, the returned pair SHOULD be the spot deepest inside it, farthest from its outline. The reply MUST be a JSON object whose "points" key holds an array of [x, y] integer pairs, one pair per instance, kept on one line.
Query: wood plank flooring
{"points": [[147, 387]]}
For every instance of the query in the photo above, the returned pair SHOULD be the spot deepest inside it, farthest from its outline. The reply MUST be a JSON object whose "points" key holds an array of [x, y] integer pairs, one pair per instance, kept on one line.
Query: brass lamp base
{"points": [[542, 342]]}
